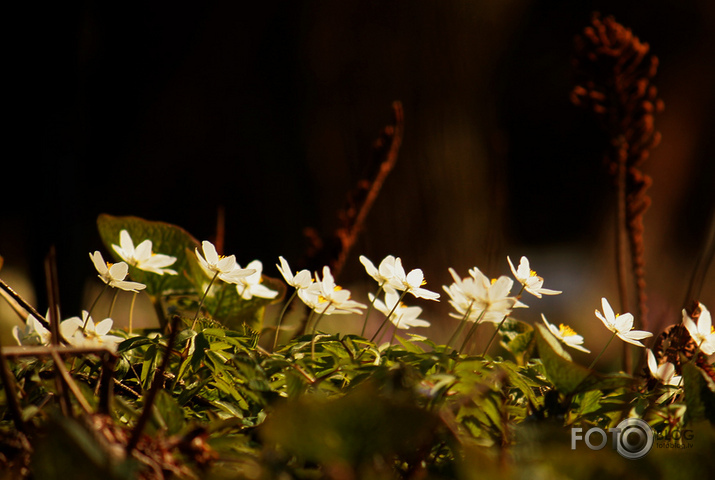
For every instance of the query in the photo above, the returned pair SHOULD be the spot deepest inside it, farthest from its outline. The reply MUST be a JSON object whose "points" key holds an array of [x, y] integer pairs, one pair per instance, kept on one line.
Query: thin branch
{"points": [[8, 381], [156, 385]]}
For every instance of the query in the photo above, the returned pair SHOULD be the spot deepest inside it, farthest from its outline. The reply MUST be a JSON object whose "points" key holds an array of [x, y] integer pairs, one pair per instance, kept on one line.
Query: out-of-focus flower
{"points": [[250, 286], [621, 325], [481, 298], [113, 274], [33, 333], [566, 334], [703, 332], [665, 372], [82, 332], [403, 317], [142, 257], [225, 268], [301, 280], [410, 282], [529, 279], [327, 298]]}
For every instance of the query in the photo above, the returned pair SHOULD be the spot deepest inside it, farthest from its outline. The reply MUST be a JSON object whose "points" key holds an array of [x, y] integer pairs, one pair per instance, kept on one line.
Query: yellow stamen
{"points": [[532, 273], [566, 331]]}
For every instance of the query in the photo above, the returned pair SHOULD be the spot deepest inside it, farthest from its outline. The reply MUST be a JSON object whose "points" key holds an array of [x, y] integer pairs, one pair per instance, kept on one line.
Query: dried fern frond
{"points": [[614, 71]]}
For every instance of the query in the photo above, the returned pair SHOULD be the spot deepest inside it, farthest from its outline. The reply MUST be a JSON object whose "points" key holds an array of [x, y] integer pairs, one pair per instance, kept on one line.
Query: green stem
{"points": [[131, 312], [315, 330], [459, 329], [394, 331], [603, 350], [397, 303], [369, 309], [111, 305], [201, 303], [472, 330], [280, 318], [94, 304], [495, 334], [518, 296]]}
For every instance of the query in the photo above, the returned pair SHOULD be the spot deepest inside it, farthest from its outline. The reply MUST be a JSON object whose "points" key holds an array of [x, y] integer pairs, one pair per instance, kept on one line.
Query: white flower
{"points": [[250, 286], [621, 325], [566, 334], [225, 268], [301, 280], [403, 317], [113, 274], [486, 300], [384, 274], [531, 281], [142, 257], [82, 332], [410, 282], [665, 372], [33, 334], [703, 333], [327, 298]]}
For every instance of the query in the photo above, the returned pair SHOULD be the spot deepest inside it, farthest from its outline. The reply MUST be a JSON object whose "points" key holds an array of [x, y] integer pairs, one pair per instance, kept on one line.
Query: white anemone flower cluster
{"points": [[478, 298], [326, 298], [391, 276]]}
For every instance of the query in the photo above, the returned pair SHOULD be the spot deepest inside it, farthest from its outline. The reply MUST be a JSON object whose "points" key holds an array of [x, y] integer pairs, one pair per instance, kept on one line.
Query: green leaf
{"points": [[172, 415], [166, 239], [566, 376], [699, 394]]}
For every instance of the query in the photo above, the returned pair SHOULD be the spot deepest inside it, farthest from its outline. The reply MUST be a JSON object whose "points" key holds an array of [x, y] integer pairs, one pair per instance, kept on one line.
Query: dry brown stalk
{"points": [[360, 200], [614, 71]]}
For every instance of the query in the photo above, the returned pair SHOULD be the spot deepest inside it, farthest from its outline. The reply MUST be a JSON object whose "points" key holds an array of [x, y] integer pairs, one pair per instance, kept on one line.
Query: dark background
{"points": [[168, 110]]}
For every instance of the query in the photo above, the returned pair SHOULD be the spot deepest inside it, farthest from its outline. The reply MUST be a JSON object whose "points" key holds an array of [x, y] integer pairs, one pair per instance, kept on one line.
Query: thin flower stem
{"points": [[394, 331], [518, 296], [603, 350], [280, 318], [315, 330], [460, 327], [494, 335], [131, 312], [201, 303], [111, 305], [94, 304], [471, 331], [369, 309], [389, 315]]}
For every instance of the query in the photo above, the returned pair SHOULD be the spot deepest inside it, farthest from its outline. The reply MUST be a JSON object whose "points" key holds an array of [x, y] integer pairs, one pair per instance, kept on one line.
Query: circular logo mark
{"points": [[634, 438]]}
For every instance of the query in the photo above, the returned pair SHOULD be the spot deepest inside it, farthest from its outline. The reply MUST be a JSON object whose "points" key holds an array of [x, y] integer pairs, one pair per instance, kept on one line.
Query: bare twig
{"points": [[156, 385], [8, 381]]}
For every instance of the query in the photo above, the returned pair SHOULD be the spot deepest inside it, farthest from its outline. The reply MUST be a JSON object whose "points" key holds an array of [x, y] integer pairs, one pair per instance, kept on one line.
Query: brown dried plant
{"points": [[614, 71], [334, 250]]}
